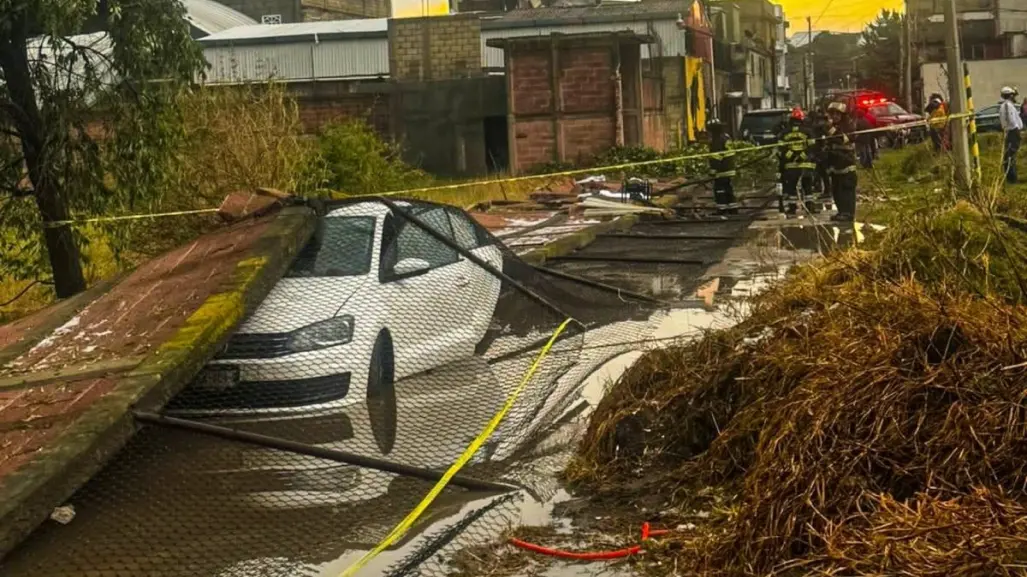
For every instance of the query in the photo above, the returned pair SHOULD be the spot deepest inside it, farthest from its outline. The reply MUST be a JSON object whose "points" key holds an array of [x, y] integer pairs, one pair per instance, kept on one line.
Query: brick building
{"points": [[570, 97], [438, 84]]}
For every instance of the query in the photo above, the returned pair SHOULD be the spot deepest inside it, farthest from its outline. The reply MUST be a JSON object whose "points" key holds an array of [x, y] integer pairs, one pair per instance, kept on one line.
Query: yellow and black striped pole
{"points": [[975, 151]]}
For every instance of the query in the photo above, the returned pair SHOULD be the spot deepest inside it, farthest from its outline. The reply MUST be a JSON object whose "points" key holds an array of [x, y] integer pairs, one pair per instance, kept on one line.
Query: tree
{"points": [[85, 118], [879, 63]]}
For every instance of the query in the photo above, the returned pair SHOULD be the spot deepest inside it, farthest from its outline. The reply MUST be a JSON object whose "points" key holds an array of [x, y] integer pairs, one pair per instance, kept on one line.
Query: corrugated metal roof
{"points": [[299, 31], [212, 17], [359, 48]]}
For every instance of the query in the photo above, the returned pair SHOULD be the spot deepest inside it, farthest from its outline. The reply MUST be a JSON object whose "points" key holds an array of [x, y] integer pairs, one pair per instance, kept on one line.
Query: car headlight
{"points": [[322, 334]]}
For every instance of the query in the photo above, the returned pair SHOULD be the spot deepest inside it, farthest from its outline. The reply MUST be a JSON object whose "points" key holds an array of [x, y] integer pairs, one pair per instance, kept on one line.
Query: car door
{"points": [[484, 287], [425, 309]]}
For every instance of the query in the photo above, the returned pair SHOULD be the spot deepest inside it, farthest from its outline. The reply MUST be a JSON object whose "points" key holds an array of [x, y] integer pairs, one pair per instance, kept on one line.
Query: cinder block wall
{"points": [[435, 47]]}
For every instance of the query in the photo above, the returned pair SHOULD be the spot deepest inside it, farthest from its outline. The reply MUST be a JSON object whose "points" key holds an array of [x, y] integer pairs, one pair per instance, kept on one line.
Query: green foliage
{"points": [[688, 168], [358, 161], [879, 58], [87, 117]]}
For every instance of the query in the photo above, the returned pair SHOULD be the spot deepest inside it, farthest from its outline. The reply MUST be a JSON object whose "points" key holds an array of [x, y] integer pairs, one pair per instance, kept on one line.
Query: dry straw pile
{"points": [[868, 418]]}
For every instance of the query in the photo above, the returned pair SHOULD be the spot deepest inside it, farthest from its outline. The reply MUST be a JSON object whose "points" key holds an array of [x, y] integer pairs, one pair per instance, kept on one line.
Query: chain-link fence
{"points": [[398, 333]]}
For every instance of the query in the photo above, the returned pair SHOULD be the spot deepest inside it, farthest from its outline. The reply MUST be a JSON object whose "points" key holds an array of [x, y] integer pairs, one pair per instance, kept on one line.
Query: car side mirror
{"points": [[409, 267]]}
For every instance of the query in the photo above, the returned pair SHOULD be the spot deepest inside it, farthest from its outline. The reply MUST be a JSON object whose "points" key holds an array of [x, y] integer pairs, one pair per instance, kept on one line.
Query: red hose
{"points": [[591, 555]]}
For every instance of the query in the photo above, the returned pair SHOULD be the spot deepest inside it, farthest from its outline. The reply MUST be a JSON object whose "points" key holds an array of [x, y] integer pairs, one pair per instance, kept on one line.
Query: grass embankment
{"points": [[867, 418]]}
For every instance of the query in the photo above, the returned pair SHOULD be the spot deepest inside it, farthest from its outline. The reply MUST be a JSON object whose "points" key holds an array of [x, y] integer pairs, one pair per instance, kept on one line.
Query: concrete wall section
{"points": [[654, 131], [442, 124], [986, 76]]}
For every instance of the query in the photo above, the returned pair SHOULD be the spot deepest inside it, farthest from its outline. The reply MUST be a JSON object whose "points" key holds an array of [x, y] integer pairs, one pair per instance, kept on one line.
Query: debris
{"points": [[63, 514]]}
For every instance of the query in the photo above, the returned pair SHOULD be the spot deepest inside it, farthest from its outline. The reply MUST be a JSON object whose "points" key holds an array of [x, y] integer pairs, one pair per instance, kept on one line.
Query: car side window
{"points": [[411, 241], [464, 231]]}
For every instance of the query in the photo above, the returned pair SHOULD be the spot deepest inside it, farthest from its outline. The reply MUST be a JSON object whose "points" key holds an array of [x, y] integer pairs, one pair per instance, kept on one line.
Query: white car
{"points": [[371, 299]]}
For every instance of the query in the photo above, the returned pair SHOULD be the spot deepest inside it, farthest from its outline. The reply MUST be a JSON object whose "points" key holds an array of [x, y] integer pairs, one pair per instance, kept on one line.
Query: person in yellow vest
{"points": [[937, 111]]}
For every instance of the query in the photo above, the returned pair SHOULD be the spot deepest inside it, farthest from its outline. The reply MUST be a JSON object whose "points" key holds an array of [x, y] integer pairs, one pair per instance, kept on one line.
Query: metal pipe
{"points": [[315, 451], [641, 259]]}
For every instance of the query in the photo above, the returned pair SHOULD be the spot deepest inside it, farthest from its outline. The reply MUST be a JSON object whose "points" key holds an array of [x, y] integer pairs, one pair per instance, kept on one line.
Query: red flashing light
{"points": [[868, 102]]}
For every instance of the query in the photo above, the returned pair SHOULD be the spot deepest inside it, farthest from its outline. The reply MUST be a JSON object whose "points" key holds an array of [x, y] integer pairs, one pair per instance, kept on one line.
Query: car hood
{"points": [[899, 119], [297, 302]]}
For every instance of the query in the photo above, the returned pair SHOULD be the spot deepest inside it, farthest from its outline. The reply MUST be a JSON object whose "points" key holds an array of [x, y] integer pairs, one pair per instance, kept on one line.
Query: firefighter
{"points": [[821, 179], [841, 161], [795, 164], [722, 167]]}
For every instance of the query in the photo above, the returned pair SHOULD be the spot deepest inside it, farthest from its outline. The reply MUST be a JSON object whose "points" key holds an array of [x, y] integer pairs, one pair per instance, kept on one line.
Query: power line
{"points": [[824, 11]]}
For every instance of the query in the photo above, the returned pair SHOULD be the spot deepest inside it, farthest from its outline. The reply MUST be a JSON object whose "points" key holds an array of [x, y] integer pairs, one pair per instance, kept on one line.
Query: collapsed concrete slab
{"points": [[71, 375]]}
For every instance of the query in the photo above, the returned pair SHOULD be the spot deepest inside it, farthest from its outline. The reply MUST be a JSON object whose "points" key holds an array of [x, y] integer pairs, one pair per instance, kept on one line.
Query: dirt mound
{"points": [[868, 416]]}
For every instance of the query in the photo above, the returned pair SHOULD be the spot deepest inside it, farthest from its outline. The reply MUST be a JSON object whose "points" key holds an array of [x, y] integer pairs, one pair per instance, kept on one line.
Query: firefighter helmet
{"points": [[1007, 91], [798, 115], [714, 125]]}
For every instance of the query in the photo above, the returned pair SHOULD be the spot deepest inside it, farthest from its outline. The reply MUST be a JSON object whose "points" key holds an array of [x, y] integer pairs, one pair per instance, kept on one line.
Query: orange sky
{"points": [[839, 16]]}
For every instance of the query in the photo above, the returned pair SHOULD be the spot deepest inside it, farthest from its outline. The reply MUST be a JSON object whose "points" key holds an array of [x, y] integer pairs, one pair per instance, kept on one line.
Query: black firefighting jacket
{"points": [[722, 163]]}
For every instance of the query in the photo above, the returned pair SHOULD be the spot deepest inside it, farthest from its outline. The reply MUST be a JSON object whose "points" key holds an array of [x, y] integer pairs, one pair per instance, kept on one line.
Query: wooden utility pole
{"points": [[957, 96], [907, 62]]}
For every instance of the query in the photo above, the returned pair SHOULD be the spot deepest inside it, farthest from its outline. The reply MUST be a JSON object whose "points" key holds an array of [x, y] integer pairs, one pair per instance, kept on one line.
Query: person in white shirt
{"points": [[1009, 118]]}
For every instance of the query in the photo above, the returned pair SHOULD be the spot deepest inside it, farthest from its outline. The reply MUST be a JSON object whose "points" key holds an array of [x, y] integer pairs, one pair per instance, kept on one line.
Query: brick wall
{"points": [[584, 138], [314, 10], [321, 103], [535, 143], [316, 113], [586, 79], [435, 47], [571, 124], [531, 83]]}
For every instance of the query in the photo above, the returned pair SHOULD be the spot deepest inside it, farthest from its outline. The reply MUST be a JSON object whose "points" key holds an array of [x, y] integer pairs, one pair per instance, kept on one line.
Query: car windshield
{"points": [[889, 109], [988, 110], [761, 123], [341, 246]]}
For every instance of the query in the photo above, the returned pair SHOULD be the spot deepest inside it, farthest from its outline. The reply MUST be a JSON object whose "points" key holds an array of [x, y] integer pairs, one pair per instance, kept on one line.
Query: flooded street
{"points": [[180, 503]]}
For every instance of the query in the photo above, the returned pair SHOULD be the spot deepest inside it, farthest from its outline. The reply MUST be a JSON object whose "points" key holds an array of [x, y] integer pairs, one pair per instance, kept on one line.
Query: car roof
{"points": [[769, 111], [366, 208]]}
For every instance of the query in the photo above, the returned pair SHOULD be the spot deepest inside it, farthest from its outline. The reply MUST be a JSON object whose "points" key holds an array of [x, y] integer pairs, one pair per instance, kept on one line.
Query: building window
{"points": [[271, 19], [973, 52]]}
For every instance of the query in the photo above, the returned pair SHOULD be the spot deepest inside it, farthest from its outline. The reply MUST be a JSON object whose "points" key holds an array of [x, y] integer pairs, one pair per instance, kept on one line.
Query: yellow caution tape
{"points": [[56, 223], [476, 444], [573, 172]]}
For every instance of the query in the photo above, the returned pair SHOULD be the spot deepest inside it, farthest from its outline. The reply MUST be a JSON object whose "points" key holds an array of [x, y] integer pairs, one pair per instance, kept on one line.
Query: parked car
{"points": [[371, 299], [880, 111], [762, 126], [987, 119]]}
